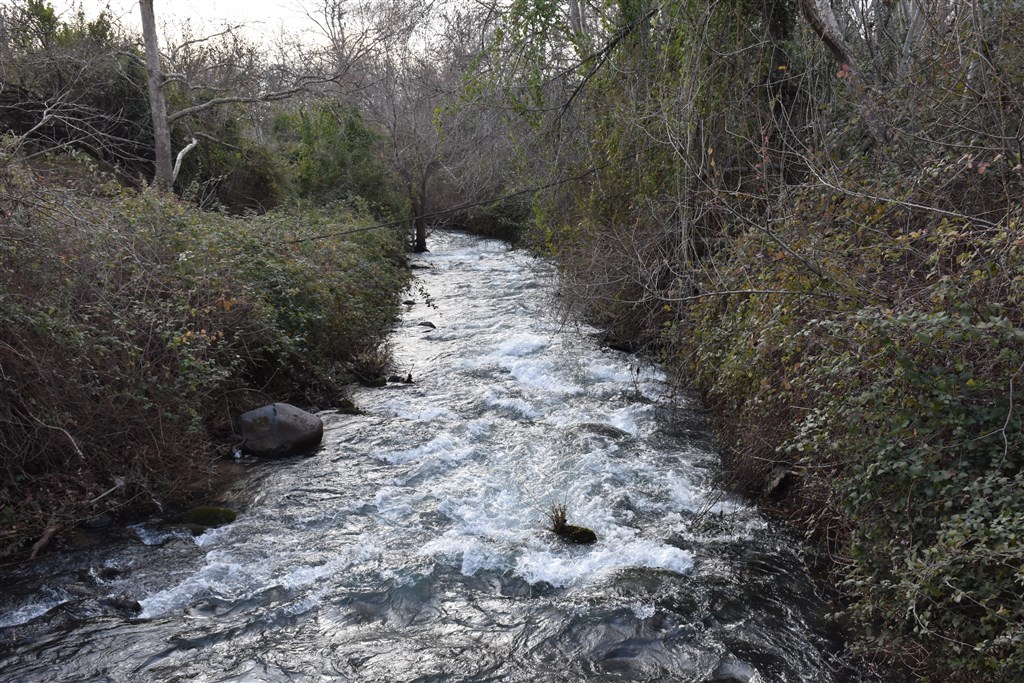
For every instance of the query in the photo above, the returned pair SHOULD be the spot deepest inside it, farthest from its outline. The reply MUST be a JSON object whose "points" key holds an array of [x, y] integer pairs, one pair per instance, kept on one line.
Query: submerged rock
{"points": [[209, 516], [279, 430], [347, 406], [576, 534], [121, 603]]}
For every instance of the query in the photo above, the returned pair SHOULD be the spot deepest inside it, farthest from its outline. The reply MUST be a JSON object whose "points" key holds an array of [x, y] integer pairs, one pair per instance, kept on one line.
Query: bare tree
{"points": [[244, 85], [163, 176]]}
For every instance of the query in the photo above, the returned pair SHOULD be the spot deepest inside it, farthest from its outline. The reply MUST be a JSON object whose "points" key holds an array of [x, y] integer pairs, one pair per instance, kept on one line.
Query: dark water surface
{"points": [[411, 548]]}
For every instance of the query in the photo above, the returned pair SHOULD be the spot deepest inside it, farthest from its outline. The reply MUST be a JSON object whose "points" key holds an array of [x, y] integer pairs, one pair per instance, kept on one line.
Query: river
{"points": [[412, 547]]}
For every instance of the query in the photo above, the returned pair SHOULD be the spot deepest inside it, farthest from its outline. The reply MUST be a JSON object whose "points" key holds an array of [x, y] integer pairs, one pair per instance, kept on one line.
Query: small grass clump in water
{"points": [[570, 532]]}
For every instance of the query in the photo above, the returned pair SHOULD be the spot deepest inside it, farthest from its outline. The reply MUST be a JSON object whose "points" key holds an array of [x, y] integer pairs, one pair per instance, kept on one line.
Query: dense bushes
{"points": [[818, 225], [134, 327], [884, 374], [332, 155], [508, 219], [77, 83]]}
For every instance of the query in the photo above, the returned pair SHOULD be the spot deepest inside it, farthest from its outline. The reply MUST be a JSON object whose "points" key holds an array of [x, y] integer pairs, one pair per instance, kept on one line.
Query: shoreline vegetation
{"points": [[136, 327], [812, 213], [809, 211]]}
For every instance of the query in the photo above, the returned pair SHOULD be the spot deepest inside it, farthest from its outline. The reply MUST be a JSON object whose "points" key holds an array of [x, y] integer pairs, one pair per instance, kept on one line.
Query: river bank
{"points": [[862, 357], [136, 327]]}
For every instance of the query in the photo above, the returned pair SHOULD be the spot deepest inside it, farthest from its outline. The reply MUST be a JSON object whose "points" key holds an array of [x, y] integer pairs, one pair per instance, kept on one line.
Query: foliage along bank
{"points": [[135, 326], [832, 253]]}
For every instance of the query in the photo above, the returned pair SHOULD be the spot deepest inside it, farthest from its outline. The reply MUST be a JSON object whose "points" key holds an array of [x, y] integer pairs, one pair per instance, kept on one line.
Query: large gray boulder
{"points": [[279, 430]]}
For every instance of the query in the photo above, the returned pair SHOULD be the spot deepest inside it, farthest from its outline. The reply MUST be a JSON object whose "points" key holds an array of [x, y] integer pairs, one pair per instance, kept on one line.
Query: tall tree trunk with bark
{"points": [[163, 176]]}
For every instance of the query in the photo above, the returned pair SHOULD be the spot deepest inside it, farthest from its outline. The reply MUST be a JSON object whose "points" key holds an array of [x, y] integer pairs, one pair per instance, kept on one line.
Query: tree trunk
{"points": [[419, 207], [779, 18], [163, 176], [420, 222]]}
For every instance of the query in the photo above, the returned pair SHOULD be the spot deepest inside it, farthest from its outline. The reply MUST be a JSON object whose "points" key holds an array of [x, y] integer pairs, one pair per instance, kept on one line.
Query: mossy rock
{"points": [[209, 516], [580, 535], [376, 382], [347, 406]]}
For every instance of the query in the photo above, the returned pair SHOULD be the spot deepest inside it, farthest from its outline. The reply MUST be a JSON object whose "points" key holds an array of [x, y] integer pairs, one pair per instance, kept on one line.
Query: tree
{"points": [[165, 173], [163, 176], [448, 147], [73, 84]]}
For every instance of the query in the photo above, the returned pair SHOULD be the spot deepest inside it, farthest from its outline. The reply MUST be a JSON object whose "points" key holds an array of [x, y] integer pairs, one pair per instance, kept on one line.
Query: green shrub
{"points": [[331, 155], [132, 326], [884, 372], [508, 220]]}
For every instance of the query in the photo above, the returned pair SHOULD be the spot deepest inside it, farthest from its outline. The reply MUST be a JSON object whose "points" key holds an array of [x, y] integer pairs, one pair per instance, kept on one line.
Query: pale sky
{"points": [[261, 16]]}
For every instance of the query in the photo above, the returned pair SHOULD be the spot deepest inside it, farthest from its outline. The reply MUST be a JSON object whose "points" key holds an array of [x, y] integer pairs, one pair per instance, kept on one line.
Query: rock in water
{"points": [[208, 515], [570, 532], [577, 534], [279, 430]]}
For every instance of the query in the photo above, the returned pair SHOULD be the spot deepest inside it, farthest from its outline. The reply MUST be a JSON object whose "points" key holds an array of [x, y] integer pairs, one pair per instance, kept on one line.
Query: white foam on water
{"points": [[517, 405], [151, 536], [216, 578], [480, 428], [213, 536], [365, 548], [630, 418], [643, 610], [407, 410], [683, 494], [520, 346], [31, 610], [393, 502], [531, 372], [480, 556], [472, 553], [227, 577], [566, 567], [542, 375], [606, 371], [485, 511], [444, 446]]}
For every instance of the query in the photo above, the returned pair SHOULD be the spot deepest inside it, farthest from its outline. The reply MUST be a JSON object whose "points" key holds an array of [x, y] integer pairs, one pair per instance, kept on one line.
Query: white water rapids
{"points": [[412, 546]]}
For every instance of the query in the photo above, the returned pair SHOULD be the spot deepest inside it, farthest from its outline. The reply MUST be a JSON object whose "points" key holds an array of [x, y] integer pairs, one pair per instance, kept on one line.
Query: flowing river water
{"points": [[412, 547]]}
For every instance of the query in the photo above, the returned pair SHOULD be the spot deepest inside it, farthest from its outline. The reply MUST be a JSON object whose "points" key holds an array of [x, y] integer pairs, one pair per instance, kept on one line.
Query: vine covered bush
{"points": [[883, 373], [134, 327]]}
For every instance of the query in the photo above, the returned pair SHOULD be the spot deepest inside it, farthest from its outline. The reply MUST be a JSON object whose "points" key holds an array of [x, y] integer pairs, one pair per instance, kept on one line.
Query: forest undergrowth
{"points": [[136, 326]]}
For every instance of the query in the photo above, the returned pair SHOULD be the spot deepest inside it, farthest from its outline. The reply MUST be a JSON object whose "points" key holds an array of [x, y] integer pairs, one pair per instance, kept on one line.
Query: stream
{"points": [[412, 546]]}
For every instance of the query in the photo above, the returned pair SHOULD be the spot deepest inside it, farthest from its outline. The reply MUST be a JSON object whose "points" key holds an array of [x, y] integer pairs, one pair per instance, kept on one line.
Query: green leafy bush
{"points": [[331, 155], [875, 349], [509, 220], [133, 326]]}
